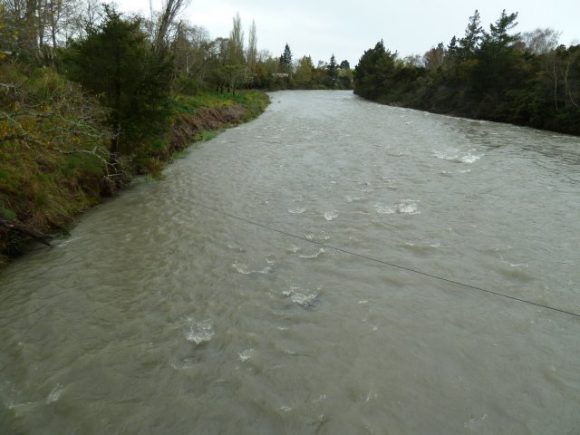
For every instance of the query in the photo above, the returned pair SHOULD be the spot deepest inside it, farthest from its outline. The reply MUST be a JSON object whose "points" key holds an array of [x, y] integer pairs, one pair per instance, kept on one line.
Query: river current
{"points": [[284, 278]]}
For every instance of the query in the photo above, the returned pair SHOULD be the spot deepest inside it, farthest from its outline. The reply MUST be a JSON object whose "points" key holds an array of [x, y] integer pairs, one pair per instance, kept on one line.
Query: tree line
{"points": [[90, 97], [133, 64], [496, 74]]}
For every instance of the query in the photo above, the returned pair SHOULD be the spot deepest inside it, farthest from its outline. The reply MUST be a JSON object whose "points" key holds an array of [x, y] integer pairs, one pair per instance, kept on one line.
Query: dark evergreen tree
{"points": [[498, 65], [117, 63], [490, 75], [499, 31], [374, 68], [286, 60], [473, 36], [331, 73]]}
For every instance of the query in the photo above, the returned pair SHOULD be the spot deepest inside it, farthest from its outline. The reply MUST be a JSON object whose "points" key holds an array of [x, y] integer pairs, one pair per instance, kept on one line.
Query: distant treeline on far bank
{"points": [[499, 75]]}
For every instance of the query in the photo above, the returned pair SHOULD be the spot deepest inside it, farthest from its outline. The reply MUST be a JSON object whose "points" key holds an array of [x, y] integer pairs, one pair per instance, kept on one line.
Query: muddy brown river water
{"points": [[215, 301]]}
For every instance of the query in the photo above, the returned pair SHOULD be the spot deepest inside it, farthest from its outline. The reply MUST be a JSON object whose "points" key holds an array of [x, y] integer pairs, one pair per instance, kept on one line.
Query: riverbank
{"points": [[496, 81], [47, 179], [569, 125]]}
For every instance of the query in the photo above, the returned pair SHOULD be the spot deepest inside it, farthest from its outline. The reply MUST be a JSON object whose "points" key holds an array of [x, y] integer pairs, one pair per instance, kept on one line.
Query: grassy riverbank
{"points": [[54, 156]]}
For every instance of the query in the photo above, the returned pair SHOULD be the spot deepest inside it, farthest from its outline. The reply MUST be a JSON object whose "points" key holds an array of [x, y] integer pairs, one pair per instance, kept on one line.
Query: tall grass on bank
{"points": [[53, 150], [54, 147]]}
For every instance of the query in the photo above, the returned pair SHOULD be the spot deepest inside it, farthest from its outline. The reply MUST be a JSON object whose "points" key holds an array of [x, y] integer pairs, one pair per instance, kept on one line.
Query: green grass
{"points": [[49, 176], [254, 101]]}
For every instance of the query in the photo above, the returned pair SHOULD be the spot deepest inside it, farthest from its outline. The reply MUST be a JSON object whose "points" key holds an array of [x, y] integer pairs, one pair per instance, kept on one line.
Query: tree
{"points": [[33, 29], [235, 67], [252, 54], [499, 31], [540, 41], [375, 67], [190, 50], [331, 73], [171, 9], [303, 75], [435, 57], [286, 60], [473, 36], [414, 60], [116, 62]]}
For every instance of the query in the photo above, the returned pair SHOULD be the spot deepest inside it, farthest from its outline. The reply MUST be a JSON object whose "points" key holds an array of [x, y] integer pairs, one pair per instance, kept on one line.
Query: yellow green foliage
{"points": [[52, 148]]}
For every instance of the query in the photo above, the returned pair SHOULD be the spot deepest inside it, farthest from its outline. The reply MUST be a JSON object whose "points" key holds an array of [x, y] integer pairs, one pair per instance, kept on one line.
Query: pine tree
{"points": [[473, 36], [116, 62], [286, 60], [332, 72], [345, 65]]}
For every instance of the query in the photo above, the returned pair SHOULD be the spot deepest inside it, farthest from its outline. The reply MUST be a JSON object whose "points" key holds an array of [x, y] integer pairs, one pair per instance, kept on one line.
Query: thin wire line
{"points": [[386, 263]]}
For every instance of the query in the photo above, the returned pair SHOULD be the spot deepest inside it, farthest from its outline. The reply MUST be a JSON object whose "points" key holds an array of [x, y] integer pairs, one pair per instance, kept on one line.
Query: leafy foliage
{"points": [[117, 63], [497, 75], [53, 149]]}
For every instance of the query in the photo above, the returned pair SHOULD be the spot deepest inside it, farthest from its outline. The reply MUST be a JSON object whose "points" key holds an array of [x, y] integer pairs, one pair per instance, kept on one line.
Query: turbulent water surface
{"points": [[215, 300]]}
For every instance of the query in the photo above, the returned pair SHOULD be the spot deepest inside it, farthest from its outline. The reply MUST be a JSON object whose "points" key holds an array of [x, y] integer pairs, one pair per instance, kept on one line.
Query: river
{"points": [[334, 267]]}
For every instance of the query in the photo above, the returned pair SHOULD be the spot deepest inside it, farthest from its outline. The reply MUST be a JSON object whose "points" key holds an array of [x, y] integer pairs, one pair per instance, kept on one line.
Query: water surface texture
{"points": [[176, 309]]}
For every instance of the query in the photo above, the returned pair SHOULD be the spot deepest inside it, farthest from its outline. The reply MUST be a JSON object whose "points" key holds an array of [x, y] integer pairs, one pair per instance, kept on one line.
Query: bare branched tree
{"points": [[171, 9], [541, 41]]}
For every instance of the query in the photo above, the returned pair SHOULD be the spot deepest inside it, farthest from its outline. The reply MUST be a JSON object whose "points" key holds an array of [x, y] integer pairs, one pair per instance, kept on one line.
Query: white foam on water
{"points": [[294, 249], [408, 206], [453, 155], [185, 364], [246, 355], [330, 215], [383, 209], [199, 332], [243, 269], [67, 242], [313, 256], [519, 265], [298, 210], [311, 237], [270, 260], [300, 296], [421, 246], [285, 408], [236, 248], [469, 158], [55, 394], [350, 198], [450, 154], [370, 396]]}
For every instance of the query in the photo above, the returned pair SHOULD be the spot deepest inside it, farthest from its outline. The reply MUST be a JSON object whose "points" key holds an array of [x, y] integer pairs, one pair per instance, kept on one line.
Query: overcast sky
{"points": [[320, 28]]}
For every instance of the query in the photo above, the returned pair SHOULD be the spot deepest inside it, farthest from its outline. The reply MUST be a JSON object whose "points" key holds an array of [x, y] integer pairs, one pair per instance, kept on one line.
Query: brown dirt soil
{"points": [[187, 127]]}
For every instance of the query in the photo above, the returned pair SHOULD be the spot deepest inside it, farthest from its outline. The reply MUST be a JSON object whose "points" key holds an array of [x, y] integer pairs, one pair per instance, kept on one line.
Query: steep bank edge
{"points": [[193, 118]]}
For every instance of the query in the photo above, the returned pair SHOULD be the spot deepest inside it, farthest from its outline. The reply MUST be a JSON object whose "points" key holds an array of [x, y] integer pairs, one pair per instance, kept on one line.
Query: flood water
{"points": [[214, 301]]}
